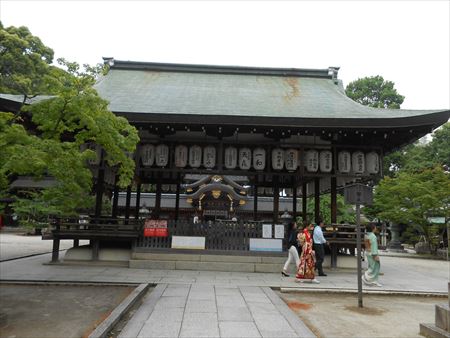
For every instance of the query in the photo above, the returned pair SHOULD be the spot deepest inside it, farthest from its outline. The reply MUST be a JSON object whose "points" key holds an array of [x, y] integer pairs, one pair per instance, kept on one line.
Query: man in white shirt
{"points": [[319, 246]]}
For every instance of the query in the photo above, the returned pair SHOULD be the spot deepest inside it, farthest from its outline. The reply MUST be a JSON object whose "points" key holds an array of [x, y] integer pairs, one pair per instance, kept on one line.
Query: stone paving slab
{"points": [[162, 315], [400, 275]]}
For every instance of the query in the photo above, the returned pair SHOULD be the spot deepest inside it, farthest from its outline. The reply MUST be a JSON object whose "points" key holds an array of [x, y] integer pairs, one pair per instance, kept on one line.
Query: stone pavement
{"points": [[202, 301], [198, 310], [400, 275]]}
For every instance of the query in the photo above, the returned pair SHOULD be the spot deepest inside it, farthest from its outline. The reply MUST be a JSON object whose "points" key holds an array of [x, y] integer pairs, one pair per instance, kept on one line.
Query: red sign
{"points": [[155, 228]]}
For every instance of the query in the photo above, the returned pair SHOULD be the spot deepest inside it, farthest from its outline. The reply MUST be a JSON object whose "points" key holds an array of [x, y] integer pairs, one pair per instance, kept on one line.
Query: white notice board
{"points": [[265, 244], [267, 230], [279, 231], [188, 242]]}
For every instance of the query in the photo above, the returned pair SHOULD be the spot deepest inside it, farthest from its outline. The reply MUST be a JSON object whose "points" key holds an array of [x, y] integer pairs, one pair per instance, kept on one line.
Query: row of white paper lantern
{"points": [[358, 162]]}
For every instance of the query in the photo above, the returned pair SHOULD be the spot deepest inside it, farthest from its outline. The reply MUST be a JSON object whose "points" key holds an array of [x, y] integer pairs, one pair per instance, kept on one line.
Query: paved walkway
{"points": [[226, 304], [198, 310], [400, 275]]}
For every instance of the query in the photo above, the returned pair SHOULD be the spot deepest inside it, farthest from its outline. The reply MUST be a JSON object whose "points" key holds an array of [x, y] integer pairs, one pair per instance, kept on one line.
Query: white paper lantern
{"points": [[162, 155], [326, 161], [147, 152], [358, 162], [181, 156], [195, 156], [231, 157], [245, 158], [291, 159], [312, 161], [277, 158], [344, 162], [259, 159], [209, 157], [372, 163]]}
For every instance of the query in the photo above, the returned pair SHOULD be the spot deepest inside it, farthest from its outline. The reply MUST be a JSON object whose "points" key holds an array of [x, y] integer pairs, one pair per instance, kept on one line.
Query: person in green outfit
{"points": [[370, 277]]}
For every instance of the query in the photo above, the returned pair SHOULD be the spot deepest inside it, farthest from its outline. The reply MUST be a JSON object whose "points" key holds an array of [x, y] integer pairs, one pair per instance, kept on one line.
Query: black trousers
{"points": [[320, 255]]}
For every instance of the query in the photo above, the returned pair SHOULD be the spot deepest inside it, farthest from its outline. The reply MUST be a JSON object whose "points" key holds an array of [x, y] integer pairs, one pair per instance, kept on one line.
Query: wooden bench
{"points": [[342, 236], [93, 229]]}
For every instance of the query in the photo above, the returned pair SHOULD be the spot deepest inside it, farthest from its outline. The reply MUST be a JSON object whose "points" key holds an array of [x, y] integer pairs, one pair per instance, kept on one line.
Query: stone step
{"points": [[442, 317], [191, 257], [432, 331], [205, 265]]}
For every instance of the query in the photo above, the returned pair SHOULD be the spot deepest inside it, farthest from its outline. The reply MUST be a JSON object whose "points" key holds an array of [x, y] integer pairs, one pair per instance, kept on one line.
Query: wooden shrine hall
{"points": [[290, 132], [281, 128]]}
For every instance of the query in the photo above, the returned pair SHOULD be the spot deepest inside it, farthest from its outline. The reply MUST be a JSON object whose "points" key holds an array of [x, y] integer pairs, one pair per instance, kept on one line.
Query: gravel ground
{"points": [[32, 311], [15, 245], [337, 315]]}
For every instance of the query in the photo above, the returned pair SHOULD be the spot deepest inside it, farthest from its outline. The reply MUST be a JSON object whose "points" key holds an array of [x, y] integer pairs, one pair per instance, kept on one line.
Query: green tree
{"points": [[438, 150], [412, 197], [24, 62], [345, 211], [47, 137], [374, 92]]}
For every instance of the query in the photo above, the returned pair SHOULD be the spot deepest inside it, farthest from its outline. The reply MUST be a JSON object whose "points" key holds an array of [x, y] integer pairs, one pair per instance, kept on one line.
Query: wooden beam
{"points": [[177, 198], [127, 202], [255, 202], [317, 200], [276, 199], [138, 201], [158, 196], [115, 203], [294, 200], [333, 200], [304, 204], [99, 188]]}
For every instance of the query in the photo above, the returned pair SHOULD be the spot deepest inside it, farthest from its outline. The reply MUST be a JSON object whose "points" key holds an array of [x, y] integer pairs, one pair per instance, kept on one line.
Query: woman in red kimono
{"points": [[305, 270]]}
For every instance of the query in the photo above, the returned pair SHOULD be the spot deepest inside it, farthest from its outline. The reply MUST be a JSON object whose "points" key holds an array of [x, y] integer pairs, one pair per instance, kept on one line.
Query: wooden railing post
{"points": [[56, 241]]}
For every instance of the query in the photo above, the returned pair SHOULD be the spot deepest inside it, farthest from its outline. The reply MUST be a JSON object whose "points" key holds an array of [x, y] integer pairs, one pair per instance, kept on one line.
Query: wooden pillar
{"points": [[333, 219], [255, 201], [55, 250], [317, 199], [177, 198], [56, 241], [99, 188], [115, 203], [304, 204], [138, 201], [276, 199], [127, 203], [95, 246], [158, 197], [294, 201], [76, 243], [333, 199]]}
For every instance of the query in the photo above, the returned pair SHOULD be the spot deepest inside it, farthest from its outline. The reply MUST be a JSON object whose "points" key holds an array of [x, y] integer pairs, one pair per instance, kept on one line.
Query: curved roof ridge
{"points": [[329, 73]]}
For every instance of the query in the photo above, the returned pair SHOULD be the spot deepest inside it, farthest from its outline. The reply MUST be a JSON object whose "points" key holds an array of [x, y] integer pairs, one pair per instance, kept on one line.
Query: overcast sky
{"points": [[406, 42]]}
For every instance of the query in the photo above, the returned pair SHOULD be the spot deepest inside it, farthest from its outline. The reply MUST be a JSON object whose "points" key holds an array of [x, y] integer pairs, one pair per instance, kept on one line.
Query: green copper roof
{"points": [[153, 88]]}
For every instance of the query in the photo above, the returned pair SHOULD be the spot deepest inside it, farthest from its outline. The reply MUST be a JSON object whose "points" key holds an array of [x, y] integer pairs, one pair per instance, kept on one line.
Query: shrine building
{"points": [[227, 149]]}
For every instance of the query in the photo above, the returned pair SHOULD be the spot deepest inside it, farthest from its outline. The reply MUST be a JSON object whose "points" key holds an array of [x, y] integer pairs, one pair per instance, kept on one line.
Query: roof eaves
{"points": [[328, 73]]}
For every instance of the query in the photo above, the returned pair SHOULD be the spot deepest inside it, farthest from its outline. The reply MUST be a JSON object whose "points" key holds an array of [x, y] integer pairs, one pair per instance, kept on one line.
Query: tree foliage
{"points": [[417, 184], [412, 197], [345, 211], [374, 92], [24, 62], [45, 138]]}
